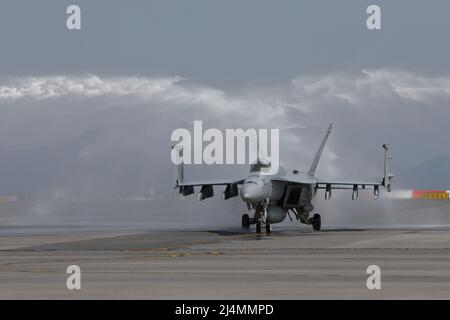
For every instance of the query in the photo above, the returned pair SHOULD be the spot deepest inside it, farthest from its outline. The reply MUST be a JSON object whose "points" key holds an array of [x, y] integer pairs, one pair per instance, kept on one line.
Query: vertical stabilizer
{"points": [[312, 169]]}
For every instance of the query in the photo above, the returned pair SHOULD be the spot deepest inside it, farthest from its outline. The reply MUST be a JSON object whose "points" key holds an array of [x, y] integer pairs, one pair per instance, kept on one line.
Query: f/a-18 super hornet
{"points": [[273, 197]]}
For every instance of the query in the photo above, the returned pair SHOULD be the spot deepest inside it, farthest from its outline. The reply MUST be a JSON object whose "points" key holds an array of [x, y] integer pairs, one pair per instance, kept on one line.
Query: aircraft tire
{"points": [[317, 222], [258, 227], [245, 222]]}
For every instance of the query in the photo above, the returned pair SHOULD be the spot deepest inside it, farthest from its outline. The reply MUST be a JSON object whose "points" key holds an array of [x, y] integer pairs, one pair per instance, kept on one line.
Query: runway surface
{"points": [[291, 263]]}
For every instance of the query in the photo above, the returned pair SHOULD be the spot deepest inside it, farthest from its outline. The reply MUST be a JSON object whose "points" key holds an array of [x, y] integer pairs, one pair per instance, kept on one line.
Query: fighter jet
{"points": [[286, 193]]}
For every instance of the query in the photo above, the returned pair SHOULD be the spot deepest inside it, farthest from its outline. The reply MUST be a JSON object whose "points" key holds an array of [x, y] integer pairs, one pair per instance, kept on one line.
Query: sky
{"points": [[226, 44], [92, 110]]}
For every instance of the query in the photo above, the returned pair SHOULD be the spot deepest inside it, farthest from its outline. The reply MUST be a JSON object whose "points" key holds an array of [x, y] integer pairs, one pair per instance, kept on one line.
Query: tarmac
{"points": [[290, 263]]}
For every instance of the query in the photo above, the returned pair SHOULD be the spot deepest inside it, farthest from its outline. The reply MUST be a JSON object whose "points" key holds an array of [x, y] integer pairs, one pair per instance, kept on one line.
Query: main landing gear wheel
{"points": [[245, 222], [316, 222], [268, 228], [258, 227]]}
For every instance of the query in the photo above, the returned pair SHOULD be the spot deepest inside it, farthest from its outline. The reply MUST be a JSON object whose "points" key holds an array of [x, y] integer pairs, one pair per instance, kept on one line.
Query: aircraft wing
{"points": [[329, 184], [207, 191], [339, 184], [335, 184], [222, 182]]}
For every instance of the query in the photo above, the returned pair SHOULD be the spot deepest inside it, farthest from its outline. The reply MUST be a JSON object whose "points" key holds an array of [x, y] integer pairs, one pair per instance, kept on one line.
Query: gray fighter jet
{"points": [[273, 197]]}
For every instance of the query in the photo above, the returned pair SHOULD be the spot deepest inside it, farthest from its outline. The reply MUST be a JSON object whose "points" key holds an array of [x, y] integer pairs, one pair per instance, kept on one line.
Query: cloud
{"points": [[88, 86], [111, 134]]}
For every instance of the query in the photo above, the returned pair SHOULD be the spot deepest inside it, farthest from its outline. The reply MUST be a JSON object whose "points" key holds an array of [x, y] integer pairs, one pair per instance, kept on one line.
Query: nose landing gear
{"points": [[260, 217], [247, 221], [259, 227]]}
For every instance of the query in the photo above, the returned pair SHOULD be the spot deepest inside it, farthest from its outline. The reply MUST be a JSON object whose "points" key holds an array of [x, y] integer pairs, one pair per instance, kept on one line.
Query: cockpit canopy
{"points": [[259, 165]]}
